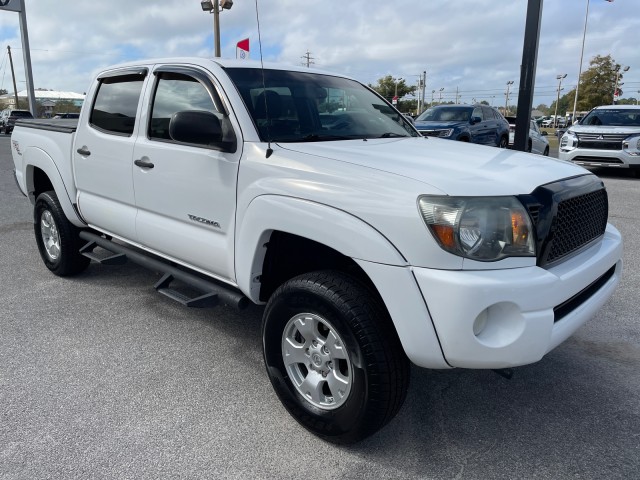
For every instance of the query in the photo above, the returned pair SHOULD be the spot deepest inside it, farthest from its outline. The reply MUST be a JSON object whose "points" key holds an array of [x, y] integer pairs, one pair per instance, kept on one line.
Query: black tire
{"points": [[375, 364], [504, 142], [529, 147], [546, 152], [463, 139], [57, 238]]}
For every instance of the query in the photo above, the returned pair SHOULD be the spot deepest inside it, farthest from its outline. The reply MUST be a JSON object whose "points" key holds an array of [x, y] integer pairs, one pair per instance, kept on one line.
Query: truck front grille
{"points": [[579, 221], [568, 216]]}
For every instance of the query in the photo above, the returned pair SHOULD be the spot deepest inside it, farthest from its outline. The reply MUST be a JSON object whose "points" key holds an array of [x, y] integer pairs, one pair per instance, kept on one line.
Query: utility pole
{"points": [[506, 101], [308, 59], [13, 76], [424, 86], [457, 95]]}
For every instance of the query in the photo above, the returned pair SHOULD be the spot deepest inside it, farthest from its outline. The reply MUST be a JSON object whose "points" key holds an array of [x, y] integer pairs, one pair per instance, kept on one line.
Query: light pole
{"points": [[506, 101], [214, 6], [432, 93], [440, 97], [584, 34], [555, 117], [397, 81], [492, 98], [615, 90]]}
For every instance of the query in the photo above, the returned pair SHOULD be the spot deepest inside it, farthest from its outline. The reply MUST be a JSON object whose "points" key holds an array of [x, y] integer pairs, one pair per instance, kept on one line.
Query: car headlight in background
{"points": [[631, 146], [479, 228], [569, 141], [445, 133]]}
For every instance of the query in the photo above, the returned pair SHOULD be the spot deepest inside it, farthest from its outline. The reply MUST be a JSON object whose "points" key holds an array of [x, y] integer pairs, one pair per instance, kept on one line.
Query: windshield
{"points": [[304, 107], [446, 114], [614, 117]]}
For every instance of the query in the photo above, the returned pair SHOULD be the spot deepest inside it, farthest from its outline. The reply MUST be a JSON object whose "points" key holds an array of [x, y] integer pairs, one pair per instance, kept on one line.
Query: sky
{"points": [[474, 46]]}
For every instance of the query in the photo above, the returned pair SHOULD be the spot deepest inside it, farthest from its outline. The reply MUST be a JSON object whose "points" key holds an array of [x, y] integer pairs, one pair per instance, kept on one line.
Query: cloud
{"points": [[472, 45]]}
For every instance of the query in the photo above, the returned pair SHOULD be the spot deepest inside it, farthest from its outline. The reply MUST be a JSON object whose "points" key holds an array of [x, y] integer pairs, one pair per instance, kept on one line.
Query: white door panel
{"points": [[104, 152], [186, 204]]}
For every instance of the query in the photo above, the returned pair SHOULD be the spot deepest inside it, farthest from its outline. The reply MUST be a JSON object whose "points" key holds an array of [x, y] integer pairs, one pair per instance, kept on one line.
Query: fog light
{"points": [[499, 325]]}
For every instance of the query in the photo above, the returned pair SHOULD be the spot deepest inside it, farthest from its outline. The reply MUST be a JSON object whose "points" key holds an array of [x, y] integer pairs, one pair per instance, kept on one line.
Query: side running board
{"points": [[213, 293]]}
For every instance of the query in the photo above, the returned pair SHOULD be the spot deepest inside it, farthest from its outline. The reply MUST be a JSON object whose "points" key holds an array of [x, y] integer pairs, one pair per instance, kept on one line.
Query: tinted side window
{"points": [[176, 92], [488, 113], [116, 103], [477, 112]]}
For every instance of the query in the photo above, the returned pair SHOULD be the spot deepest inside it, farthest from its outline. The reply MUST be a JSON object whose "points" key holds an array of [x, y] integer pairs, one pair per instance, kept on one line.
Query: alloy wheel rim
{"points": [[317, 361], [50, 235]]}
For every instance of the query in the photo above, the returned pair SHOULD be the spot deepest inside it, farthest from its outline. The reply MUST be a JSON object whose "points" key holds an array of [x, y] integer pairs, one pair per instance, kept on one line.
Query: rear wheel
{"points": [[57, 238], [546, 152], [333, 356]]}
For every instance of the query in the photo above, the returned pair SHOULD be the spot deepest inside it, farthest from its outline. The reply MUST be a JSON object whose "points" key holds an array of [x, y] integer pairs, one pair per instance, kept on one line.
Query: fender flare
{"points": [[337, 229], [37, 158]]}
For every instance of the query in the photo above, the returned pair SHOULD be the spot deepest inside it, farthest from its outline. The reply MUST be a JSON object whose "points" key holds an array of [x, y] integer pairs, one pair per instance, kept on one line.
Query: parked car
{"points": [[66, 115], [9, 116], [466, 123], [538, 142], [609, 136]]}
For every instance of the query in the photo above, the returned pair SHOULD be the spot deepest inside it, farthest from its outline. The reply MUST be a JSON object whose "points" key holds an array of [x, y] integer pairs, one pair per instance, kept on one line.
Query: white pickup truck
{"points": [[370, 245]]}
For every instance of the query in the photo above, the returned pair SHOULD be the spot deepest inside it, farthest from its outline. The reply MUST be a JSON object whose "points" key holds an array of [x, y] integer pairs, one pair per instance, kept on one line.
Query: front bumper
{"points": [[506, 318], [600, 158]]}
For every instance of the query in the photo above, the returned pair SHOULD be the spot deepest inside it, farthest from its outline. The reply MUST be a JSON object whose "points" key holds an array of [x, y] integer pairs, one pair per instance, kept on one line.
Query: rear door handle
{"points": [[144, 163], [84, 151]]}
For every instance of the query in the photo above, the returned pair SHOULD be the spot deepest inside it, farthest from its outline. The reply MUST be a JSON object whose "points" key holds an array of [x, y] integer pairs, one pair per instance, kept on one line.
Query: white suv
{"points": [[609, 136], [9, 116]]}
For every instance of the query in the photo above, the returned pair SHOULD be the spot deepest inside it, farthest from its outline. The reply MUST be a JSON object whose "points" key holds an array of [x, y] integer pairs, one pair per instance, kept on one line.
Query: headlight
{"points": [[479, 228], [631, 146], [569, 141], [446, 133]]}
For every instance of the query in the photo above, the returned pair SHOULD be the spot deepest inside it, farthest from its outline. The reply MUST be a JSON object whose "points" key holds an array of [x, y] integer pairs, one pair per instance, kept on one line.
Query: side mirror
{"points": [[198, 127], [475, 120]]}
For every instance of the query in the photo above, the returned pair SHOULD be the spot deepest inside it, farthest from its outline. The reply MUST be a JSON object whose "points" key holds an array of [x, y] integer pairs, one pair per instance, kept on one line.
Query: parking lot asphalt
{"points": [[101, 377]]}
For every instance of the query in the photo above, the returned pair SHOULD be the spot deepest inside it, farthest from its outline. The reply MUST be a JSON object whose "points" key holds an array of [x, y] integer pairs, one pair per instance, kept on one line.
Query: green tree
{"points": [[65, 106], [386, 87], [3, 91], [596, 86]]}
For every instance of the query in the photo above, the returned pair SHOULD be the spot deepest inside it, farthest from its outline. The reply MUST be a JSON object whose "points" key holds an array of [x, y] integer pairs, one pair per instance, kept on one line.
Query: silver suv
{"points": [[9, 116], [608, 136]]}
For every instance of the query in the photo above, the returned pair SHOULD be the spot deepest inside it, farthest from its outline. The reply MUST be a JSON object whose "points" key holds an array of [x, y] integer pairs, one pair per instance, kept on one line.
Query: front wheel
{"points": [[504, 142], [57, 238], [333, 356]]}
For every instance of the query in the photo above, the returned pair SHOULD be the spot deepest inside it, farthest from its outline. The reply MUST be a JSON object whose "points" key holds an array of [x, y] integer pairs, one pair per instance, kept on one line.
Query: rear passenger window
{"points": [[488, 113], [114, 110]]}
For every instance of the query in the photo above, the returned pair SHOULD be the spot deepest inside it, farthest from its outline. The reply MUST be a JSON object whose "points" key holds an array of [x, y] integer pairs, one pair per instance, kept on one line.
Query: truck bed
{"points": [[64, 125]]}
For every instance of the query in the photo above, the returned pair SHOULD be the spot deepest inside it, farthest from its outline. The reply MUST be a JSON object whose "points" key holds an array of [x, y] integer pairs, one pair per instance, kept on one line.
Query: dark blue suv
{"points": [[467, 123]]}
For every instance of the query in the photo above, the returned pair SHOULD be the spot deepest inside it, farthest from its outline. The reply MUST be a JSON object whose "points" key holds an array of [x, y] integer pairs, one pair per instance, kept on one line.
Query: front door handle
{"points": [[144, 163], [84, 151]]}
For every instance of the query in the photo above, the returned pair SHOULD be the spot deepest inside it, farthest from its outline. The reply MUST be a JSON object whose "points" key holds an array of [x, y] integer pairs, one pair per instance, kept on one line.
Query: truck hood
{"points": [[449, 167]]}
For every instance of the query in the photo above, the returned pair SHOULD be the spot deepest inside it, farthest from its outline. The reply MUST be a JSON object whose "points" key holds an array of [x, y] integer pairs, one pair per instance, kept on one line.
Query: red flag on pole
{"points": [[242, 49]]}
